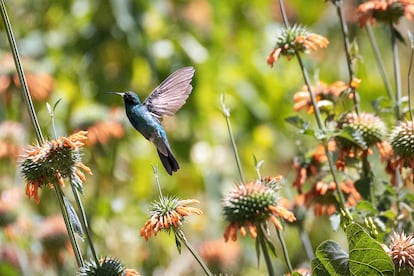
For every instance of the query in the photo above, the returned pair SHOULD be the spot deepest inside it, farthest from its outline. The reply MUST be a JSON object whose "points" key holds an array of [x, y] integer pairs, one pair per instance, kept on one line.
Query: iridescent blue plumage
{"points": [[164, 100]]}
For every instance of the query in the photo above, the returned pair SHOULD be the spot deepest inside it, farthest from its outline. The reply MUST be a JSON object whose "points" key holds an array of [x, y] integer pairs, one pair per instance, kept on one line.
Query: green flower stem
{"points": [[36, 125], [283, 12], [69, 227], [226, 113], [317, 116], [397, 73], [284, 249], [367, 174], [180, 235], [345, 34], [410, 67], [84, 221], [379, 61], [262, 241], [20, 73], [306, 242]]}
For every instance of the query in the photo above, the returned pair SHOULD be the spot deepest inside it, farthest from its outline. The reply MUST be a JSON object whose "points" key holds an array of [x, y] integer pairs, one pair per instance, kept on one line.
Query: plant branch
{"points": [[20, 73], [397, 73], [347, 47], [265, 251], [379, 61], [180, 235]]}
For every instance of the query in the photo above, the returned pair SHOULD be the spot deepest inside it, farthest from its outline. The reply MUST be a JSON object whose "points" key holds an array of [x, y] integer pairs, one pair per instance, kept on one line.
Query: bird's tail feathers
{"points": [[169, 162]]}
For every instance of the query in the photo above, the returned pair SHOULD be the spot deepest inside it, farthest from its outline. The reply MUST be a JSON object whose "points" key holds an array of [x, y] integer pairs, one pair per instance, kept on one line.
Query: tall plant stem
{"points": [[284, 249], [69, 227], [84, 221], [35, 122], [20, 73], [410, 67], [322, 134], [347, 47], [180, 235], [379, 61], [397, 73], [263, 246], [226, 113]]}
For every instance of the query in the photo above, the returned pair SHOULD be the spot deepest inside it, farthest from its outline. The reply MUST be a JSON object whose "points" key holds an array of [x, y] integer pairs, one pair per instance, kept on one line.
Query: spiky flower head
{"points": [[401, 250], [366, 129], [107, 266], [167, 213], [293, 40], [53, 161], [387, 11], [250, 205], [402, 142]]}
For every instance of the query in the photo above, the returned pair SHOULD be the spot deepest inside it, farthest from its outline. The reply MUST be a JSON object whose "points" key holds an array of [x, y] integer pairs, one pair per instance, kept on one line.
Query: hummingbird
{"points": [[165, 100]]}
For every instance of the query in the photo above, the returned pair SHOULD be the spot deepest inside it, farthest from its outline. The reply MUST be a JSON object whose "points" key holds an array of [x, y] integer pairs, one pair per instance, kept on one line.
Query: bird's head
{"points": [[130, 98]]}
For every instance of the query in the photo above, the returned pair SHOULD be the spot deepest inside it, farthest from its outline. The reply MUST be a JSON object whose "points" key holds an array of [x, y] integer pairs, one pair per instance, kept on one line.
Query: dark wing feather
{"points": [[171, 94]]}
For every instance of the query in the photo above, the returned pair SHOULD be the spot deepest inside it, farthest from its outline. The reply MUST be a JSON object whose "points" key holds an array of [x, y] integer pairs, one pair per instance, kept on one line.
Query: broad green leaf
{"points": [[334, 259], [318, 269], [366, 256]]}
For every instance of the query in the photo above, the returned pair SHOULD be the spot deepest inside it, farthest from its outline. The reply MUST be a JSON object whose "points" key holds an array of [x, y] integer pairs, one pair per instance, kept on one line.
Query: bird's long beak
{"points": [[117, 93]]}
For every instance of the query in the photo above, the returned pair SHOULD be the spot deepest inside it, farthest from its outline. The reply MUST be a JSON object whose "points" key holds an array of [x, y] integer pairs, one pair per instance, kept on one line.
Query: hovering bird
{"points": [[165, 100]]}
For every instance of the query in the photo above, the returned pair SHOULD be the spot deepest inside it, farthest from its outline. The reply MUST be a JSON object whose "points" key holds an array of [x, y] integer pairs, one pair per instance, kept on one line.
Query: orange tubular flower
{"points": [[323, 92], [55, 160], [293, 40], [168, 213], [249, 206], [389, 11]]}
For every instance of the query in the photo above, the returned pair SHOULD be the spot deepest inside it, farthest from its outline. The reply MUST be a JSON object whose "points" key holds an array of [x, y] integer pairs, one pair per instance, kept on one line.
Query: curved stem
{"points": [[180, 235], [283, 12], [379, 61], [261, 237], [347, 46], [20, 73], [306, 242], [284, 249], [317, 116], [397, 73], [84, 221], [410, 67], [226, 113], [69, 227]]}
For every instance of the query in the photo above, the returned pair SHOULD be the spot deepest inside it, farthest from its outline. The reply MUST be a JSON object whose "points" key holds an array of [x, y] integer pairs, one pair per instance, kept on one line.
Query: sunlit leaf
{"points": [[333, 258], [366, 255]]}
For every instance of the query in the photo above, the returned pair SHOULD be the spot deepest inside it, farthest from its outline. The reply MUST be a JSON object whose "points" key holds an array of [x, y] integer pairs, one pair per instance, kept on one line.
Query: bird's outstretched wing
{"points": [[171, 94]]}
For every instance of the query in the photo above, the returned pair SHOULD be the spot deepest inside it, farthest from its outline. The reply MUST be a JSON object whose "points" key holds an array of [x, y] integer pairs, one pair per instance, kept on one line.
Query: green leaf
{"points": [[366, 255], [74, 219], [257, 245], [365, 206], [333, 258], [177, 243], [318, 269], [302, 125], [271, 246]]}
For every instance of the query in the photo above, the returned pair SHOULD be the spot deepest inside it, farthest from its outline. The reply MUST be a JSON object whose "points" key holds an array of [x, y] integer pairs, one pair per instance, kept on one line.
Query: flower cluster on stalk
{"points": [[50, 163], [401, 251], [251, 205], [166, 214], [388, 11], [293, 40]]}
